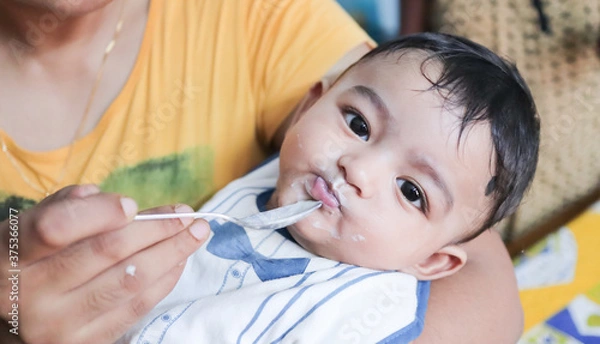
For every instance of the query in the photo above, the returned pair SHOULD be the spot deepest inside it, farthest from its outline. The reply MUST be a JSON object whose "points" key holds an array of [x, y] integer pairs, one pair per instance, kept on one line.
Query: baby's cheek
{"points": [[328, 229]]}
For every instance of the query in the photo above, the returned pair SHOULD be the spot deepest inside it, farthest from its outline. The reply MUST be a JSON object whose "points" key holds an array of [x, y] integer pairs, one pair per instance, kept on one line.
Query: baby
{"points": [[418, 147]]}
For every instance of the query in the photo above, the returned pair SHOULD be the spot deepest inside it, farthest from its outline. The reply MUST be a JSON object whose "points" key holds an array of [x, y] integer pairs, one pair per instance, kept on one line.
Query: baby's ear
{"points": [[311, 97], [445, 262]]}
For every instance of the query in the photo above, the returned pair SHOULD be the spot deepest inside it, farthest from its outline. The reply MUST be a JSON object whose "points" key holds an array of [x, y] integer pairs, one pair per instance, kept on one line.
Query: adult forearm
{"points": [[479, 304]]}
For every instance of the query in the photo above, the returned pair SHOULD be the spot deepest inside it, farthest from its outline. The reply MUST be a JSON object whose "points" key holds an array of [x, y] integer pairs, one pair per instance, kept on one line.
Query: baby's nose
{"points": [[361, 172]]}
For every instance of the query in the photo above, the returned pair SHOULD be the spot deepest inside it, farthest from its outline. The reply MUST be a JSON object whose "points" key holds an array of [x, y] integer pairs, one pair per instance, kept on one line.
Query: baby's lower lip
{"points": [[320, 191]]}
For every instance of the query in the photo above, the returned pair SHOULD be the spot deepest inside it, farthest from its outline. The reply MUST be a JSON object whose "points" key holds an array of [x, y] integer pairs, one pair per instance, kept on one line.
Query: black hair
{"points": [[488, 89]]}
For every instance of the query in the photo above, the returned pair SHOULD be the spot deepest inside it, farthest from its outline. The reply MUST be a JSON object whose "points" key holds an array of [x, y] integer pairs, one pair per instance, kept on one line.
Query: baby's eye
{"points": [[412, 193], [357, 124]]}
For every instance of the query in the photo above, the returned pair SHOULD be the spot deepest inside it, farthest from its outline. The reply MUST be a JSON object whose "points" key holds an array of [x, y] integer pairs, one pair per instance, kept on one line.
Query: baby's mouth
{"points": [[320, 191]]}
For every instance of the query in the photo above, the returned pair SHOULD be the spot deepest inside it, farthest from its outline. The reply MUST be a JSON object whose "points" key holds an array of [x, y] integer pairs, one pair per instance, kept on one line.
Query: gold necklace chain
{"points": [[47, 191]]}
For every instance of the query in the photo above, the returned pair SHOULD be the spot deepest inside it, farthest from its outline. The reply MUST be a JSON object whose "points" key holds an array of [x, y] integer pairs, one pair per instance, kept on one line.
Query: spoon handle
{"points": [[177, 216]]}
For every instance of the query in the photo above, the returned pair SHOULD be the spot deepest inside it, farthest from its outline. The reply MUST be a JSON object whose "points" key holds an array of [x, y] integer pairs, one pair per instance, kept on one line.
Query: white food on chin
{"points": [[332, 231], [358, 237], [130, 270]]}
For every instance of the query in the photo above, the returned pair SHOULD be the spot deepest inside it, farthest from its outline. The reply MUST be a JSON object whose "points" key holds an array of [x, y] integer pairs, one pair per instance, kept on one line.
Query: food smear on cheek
{"points": [[130, 270], [300, 145], [331, 230], [299, 192], [358, 237]]}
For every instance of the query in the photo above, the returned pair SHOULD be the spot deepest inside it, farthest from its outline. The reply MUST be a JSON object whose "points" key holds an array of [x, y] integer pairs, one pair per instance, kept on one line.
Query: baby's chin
{"points": [[318, 241], [317, 227], [300, 239]]}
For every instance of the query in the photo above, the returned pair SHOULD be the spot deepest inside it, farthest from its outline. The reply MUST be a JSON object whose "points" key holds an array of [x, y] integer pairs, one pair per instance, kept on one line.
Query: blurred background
{"points": [[380, 18], [554, 237]]}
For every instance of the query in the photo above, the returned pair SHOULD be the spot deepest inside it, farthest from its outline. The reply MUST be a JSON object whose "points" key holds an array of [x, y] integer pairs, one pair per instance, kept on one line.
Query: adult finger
{"points": [[16, 229], [125, 280], [82, 261], [80, 191], [113, 325], [59, 222]]}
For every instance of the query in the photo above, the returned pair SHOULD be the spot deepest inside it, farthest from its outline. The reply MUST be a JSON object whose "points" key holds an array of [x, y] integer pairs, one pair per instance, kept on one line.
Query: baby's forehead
{"points": [[418, 59], [419, 71], [408, 69]]}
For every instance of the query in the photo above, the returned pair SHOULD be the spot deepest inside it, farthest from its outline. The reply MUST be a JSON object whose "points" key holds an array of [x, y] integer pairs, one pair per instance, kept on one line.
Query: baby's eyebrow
{"points": [[374, 98], [422, 163]]}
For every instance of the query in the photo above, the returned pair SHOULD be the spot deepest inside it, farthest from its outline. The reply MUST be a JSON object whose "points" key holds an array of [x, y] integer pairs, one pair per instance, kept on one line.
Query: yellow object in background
{"points": [[568, 309], [174, 133]]}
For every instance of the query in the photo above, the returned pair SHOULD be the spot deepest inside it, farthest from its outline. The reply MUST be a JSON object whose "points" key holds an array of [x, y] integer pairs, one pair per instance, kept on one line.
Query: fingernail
{"points": [[184, 208], [129, 206], [88, 190], [199, 230]]}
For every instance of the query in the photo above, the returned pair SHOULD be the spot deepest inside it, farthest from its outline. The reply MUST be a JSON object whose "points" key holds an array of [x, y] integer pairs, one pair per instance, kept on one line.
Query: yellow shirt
{"points": [[212, 82]]}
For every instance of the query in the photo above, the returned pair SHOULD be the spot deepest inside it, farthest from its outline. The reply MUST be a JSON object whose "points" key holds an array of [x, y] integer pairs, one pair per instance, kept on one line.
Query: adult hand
{"points": [[85, 272]]}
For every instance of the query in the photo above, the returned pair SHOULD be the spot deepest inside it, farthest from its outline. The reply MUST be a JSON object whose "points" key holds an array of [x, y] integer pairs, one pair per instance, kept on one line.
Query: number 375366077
{"points": [[13, 241]]}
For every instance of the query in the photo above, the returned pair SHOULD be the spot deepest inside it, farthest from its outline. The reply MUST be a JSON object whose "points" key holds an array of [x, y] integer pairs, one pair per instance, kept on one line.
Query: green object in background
{"points": [[594, 294], [594, 320], [185, 177]]}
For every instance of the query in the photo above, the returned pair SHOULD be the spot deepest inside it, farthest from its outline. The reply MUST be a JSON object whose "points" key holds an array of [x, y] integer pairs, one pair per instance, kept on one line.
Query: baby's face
{"points": [[383, 156]]}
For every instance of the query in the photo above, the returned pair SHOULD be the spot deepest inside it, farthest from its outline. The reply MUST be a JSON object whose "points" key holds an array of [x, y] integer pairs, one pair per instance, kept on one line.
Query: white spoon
{"points": [[271, 219]]}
